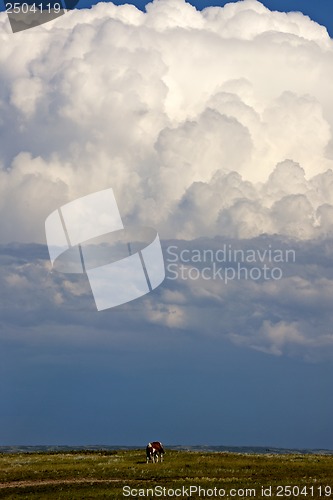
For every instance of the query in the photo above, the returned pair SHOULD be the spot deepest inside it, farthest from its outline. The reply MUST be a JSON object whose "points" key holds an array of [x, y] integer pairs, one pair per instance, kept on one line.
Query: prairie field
{"points": [[80, 475]]}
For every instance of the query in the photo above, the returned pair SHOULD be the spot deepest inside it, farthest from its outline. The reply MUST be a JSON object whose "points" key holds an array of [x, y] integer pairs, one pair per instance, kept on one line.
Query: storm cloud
{"points": [[213, 127], [203, 122], [213, 123]]}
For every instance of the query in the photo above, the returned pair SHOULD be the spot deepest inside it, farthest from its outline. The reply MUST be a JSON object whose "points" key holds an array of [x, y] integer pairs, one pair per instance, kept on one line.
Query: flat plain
{"points": [[80, 475]]}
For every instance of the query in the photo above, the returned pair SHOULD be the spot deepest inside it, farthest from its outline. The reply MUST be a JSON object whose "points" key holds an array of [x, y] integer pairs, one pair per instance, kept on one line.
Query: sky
{"points": [[214, 127], [320, 10]]}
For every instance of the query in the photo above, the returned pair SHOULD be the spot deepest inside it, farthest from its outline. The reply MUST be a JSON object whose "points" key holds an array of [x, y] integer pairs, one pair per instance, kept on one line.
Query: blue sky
{"points": [[205, 393], [218, 137], [320, 11]]}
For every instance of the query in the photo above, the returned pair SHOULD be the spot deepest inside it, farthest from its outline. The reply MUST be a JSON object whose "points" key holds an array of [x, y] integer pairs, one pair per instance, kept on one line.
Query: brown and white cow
{"points": [[154, 451]]}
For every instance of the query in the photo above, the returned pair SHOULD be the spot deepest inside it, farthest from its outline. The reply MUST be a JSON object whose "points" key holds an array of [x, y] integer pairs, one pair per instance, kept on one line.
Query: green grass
{"points": [[87, 475]]}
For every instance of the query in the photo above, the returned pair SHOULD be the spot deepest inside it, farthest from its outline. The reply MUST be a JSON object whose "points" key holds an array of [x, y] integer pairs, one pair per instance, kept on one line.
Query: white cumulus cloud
{"points": [[203, 122], [213, 123]]}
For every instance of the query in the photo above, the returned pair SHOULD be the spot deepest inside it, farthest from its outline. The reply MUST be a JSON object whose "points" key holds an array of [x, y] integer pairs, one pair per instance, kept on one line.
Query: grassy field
{"points": [[85, 475]]}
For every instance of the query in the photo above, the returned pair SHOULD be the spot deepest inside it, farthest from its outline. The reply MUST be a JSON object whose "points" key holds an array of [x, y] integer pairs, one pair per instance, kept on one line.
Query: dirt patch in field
{"points": [[27, 484]]}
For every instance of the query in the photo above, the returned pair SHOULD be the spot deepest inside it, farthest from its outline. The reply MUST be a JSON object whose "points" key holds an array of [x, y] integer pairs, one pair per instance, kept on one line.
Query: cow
{"points": [[154, 451]]}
